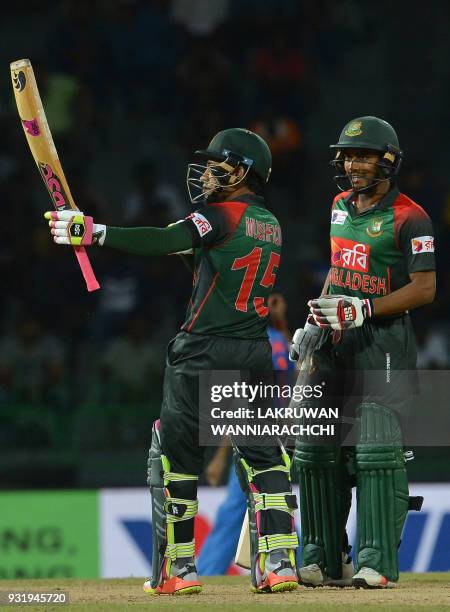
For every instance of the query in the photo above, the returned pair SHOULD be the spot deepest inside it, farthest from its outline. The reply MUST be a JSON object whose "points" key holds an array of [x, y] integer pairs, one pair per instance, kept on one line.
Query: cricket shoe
{"points": [[368, 578], [184, 580], [277, 573], [312, 575]]}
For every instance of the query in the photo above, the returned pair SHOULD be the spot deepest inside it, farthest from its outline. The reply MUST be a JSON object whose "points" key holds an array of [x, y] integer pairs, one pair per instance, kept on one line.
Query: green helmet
{"points": [[253, 150], [367, 133], [230, 148], [373, 134]]}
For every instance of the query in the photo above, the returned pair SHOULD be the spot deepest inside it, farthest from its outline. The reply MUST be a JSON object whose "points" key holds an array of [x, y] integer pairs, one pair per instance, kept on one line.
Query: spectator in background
{"points": [[132, 363], [151, 200], [280, 131], [145, 47], [200, 17], [32, 365], [129, 283], [415, 181], [433, 348], [78, 47], [59, 100], [281, 71], [204, 78], [219, 549], [124, 289], [279, 334], [283, 134]]}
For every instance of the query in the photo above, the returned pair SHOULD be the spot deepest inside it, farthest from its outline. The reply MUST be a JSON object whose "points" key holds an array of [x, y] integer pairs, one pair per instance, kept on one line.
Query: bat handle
{"points": [[86, 268]]}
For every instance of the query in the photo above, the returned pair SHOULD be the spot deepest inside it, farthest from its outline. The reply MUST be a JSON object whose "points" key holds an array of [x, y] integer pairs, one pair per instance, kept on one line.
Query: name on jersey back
{"points": [[266, 232]]}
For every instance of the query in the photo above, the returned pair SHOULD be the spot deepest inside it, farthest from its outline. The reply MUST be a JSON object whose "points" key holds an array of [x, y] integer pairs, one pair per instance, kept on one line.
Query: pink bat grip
{"points": [[86, 268]]}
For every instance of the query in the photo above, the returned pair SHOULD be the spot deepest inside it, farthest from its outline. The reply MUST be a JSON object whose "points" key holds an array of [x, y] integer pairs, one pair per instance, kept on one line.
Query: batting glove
{"points": [[73, 228], [304, 341], [340, 311]]}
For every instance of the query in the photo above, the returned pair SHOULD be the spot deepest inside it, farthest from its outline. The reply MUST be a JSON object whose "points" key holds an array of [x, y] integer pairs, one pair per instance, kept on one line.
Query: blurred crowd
{"points": [[131, 88]]}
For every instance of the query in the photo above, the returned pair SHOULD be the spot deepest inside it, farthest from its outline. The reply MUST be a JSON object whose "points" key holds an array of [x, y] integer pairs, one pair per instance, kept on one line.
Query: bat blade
{"points": [[243, 548], [40, 141]]}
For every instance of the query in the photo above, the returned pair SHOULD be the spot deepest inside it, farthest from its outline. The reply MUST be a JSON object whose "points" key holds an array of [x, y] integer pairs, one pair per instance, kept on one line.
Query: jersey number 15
{"points": [[251, 263]]}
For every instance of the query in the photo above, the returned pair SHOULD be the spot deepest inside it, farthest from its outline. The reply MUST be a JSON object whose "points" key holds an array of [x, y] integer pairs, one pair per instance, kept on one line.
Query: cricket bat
{"points": [[38, 135], [243, 548]]}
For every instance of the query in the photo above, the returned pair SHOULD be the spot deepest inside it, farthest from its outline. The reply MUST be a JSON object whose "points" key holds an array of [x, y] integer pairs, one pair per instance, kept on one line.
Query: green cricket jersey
{"points": [[373, 252], [237, 248]]}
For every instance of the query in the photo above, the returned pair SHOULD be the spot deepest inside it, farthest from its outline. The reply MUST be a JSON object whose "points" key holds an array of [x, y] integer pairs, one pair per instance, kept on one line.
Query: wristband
{"points": [[98, 234], [368, 308]]}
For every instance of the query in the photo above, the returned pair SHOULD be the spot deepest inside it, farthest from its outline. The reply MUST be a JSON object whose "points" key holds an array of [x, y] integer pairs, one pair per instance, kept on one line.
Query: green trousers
{"points": [[188, 355]]}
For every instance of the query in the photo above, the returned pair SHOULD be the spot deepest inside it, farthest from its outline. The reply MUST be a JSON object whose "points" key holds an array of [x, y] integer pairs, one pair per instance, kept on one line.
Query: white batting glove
{"points": [[340, 311], [73, 228], [304, 341]]}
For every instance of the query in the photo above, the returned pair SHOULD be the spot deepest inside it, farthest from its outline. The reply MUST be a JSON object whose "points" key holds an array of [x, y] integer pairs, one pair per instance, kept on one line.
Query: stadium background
{"points": [[130, 89]]}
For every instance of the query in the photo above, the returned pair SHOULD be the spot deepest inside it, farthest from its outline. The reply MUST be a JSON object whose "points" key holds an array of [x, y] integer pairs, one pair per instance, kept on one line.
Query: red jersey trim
{"points": [[233, 215], [340, 196], [208, 293], [405, 208]]}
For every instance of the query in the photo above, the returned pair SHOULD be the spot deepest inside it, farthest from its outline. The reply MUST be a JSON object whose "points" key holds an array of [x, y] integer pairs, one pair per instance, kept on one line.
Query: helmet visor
{"points": [[204, 180]]}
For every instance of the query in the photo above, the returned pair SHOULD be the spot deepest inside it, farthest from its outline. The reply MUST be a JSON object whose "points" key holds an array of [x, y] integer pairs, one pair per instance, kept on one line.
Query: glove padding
{"points": [[74, 228], [340, 311], [304, 341]]}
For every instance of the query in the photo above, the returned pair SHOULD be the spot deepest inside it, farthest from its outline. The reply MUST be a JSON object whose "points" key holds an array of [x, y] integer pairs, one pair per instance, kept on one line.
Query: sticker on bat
{"points": [[32, 127], [54, 186], [19, 80]]}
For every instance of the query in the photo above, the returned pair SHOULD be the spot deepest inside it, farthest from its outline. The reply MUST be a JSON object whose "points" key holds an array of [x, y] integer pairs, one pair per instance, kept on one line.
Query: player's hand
{"points": [[304, 341], [74, 228], [340, 311]]}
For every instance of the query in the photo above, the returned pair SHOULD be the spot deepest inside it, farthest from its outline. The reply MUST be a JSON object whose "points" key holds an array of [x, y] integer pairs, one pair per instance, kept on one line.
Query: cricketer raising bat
{"points": [[42, 147]]}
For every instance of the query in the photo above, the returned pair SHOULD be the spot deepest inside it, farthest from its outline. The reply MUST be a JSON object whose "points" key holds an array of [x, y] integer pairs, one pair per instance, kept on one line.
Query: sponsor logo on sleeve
{"points": [[350, 254], [422, 244], [338, 217], [201, 223]]}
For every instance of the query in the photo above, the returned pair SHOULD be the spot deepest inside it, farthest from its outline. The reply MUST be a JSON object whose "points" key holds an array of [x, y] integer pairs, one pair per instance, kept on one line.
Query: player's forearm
{"points": [[418, 292], [149, 240]]}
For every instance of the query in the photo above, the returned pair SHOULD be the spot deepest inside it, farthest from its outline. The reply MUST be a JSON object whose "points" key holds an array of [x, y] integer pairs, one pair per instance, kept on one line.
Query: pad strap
{"points": [[277, 540], [415, 503], [179, 550], [174, 477], [180, 509], [286, 502], [252, 472]]}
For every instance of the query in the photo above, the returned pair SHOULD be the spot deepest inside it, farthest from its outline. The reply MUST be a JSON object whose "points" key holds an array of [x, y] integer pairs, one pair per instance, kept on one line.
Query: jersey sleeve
{"points": [[416, 241], [212, 224]]}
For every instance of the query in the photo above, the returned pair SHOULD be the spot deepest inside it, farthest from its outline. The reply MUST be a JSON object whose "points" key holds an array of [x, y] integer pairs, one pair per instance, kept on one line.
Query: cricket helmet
{"points": [[228, 150], [373, 134]]}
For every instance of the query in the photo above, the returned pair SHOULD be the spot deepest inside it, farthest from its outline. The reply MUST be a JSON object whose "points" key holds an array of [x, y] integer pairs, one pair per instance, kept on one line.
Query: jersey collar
{"points": [[386, 201], [252, 199]]}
